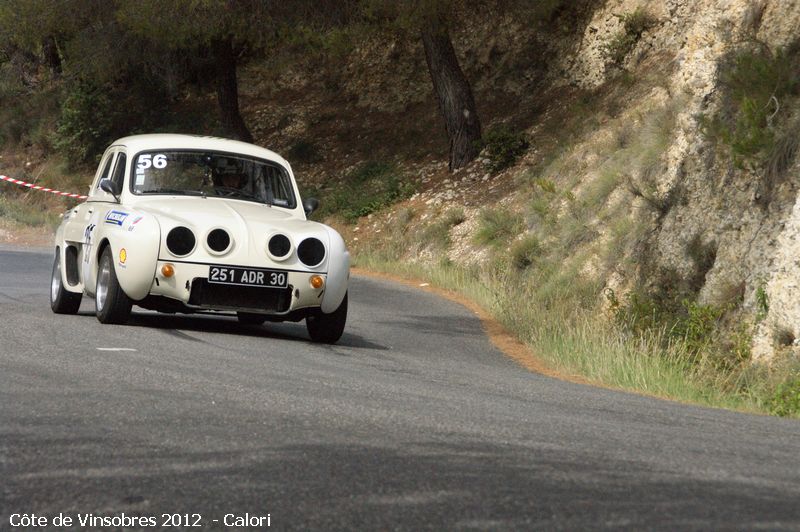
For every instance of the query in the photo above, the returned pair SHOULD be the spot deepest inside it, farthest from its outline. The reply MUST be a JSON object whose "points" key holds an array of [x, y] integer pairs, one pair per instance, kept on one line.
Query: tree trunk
{"points": [[454, 95], [228, 90], [51, 56]]}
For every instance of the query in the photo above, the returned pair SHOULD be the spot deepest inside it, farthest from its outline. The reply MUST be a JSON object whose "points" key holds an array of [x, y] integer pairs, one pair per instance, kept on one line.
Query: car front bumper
{"points": [[189, 284]]}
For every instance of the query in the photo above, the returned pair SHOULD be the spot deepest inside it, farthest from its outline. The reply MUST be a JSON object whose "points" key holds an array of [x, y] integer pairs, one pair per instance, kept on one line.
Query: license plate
{"points": [[247, 276]]}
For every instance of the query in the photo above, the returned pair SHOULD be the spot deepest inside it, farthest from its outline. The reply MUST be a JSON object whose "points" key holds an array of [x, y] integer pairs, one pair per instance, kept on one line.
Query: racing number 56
{"points": [[146, 161]]}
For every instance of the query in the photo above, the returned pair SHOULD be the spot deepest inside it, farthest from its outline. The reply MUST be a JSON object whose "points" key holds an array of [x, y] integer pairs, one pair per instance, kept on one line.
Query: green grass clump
{"points": [[785, 400], [367, 189], [438, 232], [503, 147], [693, 324], [497, 227], [525, 252], [757, 121], [21, 211]]}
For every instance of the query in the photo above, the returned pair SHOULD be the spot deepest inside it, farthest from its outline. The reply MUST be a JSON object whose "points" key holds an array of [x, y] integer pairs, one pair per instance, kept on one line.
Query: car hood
{"points": [[191, 210], [249, 224]]}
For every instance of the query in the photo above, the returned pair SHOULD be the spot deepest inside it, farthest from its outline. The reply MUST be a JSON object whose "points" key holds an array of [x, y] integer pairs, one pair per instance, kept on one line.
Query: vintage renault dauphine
{"points": [[182, 223]]}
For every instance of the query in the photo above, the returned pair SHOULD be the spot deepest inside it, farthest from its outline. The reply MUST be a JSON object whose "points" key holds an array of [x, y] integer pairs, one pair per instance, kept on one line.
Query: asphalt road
{"points": [[412, 422]]}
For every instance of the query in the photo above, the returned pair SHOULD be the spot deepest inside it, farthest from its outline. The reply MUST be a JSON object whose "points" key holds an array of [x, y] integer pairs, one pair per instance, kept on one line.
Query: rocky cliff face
{"points": [[700, 221], [749, 246]]}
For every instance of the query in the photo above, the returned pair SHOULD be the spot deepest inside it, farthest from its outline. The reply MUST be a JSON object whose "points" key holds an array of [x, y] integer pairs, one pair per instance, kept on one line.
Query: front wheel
{"points": [[62, 301], [327, 328], [113, 305]]}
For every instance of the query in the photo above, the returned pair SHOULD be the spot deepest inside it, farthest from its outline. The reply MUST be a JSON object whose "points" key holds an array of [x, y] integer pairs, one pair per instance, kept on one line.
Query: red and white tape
{"points": [[39, 187]]}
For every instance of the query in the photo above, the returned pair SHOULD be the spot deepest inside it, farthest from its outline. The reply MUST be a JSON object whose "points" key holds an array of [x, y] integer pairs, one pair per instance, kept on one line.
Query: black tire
{"points": [[113, 305], [327, 328], [248, 318], [62, 301]]}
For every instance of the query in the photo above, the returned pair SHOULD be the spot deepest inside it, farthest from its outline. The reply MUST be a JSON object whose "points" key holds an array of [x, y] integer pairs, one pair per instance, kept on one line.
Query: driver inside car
{"points": [[233, 180]]}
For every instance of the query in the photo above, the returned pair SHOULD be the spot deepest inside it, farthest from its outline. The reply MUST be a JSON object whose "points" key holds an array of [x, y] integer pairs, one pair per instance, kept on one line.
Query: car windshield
{"points": [[212, 174]]}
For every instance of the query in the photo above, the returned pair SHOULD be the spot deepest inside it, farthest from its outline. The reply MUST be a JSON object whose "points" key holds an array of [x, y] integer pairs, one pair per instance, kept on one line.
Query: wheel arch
{"points": [[136, 267], [338, 272], [70, 273], [101, 247]]}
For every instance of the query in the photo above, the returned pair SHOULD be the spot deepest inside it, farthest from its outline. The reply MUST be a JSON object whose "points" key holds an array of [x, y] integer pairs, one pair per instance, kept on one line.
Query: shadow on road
{"points": [[176, 325], [418, 486]]}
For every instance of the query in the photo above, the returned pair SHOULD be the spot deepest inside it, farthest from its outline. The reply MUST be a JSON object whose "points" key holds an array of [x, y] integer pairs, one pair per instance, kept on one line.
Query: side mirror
{"points": [[106, 185], [310, 205]]}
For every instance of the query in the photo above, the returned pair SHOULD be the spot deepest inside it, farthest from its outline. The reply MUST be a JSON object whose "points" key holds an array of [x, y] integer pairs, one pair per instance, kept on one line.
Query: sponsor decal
{"points": [[134, 222], [87, 242], [123, 256], [87, 234], [116, 217]]}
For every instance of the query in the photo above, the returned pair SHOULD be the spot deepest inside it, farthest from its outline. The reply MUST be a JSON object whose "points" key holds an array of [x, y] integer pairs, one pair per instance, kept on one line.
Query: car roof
{"points": [[171, 141]]}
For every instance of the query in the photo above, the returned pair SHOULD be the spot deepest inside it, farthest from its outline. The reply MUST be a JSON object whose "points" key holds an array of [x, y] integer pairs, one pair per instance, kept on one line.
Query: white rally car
{"points": [[181, 223]]}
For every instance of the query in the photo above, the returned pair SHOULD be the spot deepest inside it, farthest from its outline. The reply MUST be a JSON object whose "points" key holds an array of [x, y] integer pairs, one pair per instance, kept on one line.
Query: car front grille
{"points": [[232, 297]]}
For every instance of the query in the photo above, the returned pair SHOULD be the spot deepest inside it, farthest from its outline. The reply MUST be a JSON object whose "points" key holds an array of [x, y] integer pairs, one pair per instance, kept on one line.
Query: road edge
{"points": [[498, 335], [522, 354]]}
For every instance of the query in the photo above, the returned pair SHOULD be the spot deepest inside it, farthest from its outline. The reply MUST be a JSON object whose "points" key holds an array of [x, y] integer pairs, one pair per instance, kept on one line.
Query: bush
{"points": [[633, 26], [502, 147], [757, 84], [497, 226], [525, 252], [304, 151], [25, 213], [438, 232], [84, 129], [369, 188], [693, 325], [785, 401], [26, 114], [94, 116]]}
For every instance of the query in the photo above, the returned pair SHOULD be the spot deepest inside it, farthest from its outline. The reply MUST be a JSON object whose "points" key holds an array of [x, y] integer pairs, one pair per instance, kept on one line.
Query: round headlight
{"points": [[279, 246], [180, 241], [311, 251], [218, 240]]}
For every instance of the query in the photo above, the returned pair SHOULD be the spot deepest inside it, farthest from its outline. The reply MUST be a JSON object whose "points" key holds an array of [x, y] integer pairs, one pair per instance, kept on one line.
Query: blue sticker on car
{"points": [[116, 217]]}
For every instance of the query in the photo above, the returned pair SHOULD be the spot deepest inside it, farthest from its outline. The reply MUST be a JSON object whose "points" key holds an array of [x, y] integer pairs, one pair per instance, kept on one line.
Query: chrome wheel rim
{"points": [[103, 278], [55, 282]]}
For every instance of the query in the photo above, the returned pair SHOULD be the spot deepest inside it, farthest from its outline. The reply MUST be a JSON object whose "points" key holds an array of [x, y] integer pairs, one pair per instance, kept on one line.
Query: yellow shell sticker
{"points": [[123, 256]]}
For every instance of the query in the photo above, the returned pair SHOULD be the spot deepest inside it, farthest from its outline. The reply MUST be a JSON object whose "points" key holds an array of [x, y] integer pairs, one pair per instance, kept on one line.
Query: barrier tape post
{"points": [[39, 187]]}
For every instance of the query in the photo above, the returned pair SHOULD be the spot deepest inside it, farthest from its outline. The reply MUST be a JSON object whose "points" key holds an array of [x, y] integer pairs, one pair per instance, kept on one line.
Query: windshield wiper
{"points": [[230, 191], [173, 191]]}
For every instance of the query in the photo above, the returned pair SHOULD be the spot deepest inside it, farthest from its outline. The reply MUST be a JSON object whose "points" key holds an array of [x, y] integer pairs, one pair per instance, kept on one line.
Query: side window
{"points": [[106, 170], [119, 170]]}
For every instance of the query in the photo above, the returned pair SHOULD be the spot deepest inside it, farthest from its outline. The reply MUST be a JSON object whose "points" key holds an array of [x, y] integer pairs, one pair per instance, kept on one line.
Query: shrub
{"points": [[367, 189], [438, 232], [525, 252], [762, 301], [304, 151], [84, 128], [93, 116], [754, 121], [35, 215], [785, 401], [634, 24], [502, 147], [497, 226], [689, 323]]}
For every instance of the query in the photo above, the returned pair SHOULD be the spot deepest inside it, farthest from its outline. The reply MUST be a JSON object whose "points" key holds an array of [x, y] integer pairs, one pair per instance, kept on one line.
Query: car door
{"points": [[97, 208], [77, 230]]}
